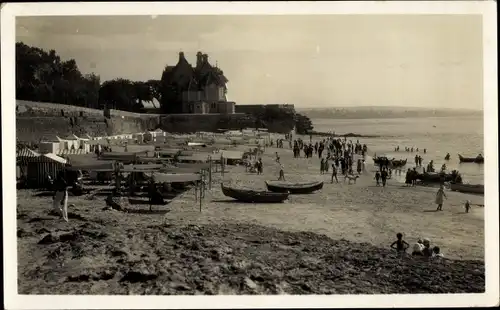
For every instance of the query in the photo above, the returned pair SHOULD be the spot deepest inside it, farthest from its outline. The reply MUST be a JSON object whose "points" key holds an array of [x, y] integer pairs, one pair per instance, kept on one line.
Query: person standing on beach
{"points": [[281, 176], [60, 203], [377, 178], [322, 166], [334, 173], [401, 245], [259, 166], [467, 206], [440, 195], [383, 176]]}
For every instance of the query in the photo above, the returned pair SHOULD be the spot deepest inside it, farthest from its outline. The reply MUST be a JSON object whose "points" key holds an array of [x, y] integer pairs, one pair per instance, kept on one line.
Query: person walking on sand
{"points": [[60, 202], [440, 195]]}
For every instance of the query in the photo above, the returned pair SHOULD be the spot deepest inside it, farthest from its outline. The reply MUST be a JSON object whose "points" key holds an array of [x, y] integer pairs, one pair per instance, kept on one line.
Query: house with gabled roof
{"points": [[202, 89]]}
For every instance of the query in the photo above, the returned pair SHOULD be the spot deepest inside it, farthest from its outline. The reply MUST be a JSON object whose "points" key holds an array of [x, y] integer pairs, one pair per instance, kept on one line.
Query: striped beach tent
{"points": [[72, 152], [25, 155], [42, 167]]}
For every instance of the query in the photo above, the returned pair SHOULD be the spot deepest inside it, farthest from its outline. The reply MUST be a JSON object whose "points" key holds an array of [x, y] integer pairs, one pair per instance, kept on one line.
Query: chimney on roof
{"points": [[181, 56], [199, 59]]}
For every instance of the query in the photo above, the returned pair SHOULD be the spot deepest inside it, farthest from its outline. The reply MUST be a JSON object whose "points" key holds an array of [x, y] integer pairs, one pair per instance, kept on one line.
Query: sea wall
{"points": [[186, 123], [37, 121]]}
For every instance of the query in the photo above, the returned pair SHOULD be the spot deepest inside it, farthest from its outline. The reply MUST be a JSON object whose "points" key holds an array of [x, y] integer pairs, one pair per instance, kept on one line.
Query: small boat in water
{"points": [[393, 163], [467, 188], [294, 188], [253, 196], [478, 159], [439, 177]]}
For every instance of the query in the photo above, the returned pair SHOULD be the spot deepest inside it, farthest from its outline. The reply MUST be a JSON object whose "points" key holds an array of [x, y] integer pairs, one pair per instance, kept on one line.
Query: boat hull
{"points": [[467, 188], [470, 159], [436, 177], [251, 196], [294, 188], [392, 163]]}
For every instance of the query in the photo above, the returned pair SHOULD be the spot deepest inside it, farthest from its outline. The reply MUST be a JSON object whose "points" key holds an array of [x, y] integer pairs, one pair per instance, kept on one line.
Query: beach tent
{"points": [[42, 167], [23, 157]]}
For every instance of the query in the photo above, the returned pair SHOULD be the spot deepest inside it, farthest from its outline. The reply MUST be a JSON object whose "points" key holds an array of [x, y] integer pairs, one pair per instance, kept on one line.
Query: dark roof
{"points": [[200, 76]]}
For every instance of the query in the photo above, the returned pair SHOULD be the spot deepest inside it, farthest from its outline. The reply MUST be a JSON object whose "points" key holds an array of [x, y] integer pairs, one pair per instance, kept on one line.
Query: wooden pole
{"points": [[200, 200], [222, 165], [210, 173]]}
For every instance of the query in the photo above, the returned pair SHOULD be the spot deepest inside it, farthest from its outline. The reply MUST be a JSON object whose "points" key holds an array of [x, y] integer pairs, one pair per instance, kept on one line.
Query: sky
{"points": [[432, 61]]}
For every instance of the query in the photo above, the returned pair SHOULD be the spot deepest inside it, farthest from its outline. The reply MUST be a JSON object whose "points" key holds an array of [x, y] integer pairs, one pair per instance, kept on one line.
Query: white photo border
{"points": [[487, 9]]}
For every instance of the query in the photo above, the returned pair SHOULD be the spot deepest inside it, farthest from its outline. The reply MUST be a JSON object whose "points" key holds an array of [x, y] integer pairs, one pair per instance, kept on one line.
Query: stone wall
{"points": [[184, 123], [36, 121]]}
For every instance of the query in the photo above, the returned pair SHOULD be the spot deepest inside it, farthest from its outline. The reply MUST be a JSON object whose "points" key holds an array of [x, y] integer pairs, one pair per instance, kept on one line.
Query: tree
{"points": [[42, 76]]}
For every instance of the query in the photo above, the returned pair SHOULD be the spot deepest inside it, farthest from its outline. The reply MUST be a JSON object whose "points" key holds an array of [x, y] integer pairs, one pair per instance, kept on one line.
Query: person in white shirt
{"points": [[281, 173], [418, 248], [436, 252]]}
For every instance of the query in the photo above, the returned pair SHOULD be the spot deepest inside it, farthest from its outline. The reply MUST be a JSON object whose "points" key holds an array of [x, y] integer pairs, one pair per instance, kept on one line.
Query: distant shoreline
{"points": [[388, 117], [346, 135]]}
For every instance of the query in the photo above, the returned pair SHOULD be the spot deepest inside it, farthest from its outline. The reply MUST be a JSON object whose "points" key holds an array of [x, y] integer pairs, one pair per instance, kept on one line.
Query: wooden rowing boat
{"points": [[294, 188], [467, 188], [436, 177], [252, 196], [477, 160], [393, 163]]}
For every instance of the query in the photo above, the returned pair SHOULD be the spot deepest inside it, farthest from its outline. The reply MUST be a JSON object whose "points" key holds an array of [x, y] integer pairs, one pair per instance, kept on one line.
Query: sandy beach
{"points": [[231, 247]]}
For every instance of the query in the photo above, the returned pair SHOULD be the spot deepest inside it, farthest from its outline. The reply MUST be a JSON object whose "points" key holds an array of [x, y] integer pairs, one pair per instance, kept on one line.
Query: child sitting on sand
{"points": [[401, 245], [427, 251], [436, 252], [418, 248]]}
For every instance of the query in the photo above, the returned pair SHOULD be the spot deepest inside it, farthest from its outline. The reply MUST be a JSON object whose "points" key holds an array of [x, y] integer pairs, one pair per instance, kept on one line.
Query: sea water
{"points": [[439, 135]]}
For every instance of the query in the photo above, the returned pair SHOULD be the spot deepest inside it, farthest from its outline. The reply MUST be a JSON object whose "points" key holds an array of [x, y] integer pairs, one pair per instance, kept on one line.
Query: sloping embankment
{"points": [[94, 258]]}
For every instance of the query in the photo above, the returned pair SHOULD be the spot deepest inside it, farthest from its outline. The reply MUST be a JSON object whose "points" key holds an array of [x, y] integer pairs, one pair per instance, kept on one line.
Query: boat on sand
{"points": [[253, 196], [467, 188], [294, 188]]}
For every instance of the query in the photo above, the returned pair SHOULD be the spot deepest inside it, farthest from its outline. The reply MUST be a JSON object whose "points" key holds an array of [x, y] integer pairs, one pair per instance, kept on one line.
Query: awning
{"points": [[176, 177]]}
